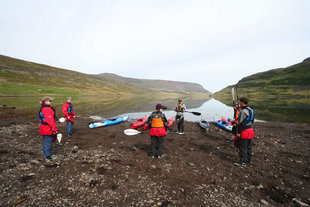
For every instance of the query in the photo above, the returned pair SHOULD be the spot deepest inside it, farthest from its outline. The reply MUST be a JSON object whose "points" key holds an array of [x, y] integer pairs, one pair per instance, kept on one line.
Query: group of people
{"points": [[48, 129], [157, 125], [242, 129]]}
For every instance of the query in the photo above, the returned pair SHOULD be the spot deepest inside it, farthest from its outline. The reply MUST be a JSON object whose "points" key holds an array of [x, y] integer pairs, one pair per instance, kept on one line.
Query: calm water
{"points": [[138, 107], [209, 109]]}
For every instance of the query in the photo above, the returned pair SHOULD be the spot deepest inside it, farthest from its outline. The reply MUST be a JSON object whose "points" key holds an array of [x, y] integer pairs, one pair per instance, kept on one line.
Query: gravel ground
{"points": [[104, 167]]}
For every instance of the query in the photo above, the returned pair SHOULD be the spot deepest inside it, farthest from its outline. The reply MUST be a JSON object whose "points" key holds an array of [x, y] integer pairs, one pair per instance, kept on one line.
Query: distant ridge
{"points": [[20, 77], [163, 85]]}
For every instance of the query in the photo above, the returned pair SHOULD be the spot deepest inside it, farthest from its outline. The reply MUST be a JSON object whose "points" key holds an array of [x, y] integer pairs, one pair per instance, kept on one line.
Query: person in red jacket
{"points": [[157, 124], [67, 110], [244, 133], [48, 129]]}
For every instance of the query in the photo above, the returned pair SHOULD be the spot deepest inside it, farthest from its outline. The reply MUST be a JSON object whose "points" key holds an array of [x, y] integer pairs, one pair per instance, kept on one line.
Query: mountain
{"points": [[162, 85], [19, 77], [291, 82]]}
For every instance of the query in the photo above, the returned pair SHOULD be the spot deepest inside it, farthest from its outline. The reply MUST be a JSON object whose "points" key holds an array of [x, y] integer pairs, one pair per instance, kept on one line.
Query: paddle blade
{"points": [[131, 132], [233, 93], [196, 113]]}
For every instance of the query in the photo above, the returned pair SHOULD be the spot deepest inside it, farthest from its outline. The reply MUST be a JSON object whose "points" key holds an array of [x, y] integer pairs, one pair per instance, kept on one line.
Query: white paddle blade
{"points": [[59, 136], [131, 132], [233, 93]]}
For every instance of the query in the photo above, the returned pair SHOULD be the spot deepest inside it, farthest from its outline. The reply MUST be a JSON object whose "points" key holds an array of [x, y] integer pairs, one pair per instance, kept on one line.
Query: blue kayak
{"points": [[223, 124], [204, 124], [108, 122]]}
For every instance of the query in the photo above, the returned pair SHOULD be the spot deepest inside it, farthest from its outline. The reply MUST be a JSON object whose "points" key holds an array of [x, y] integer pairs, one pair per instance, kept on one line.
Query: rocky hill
{"points": [[19, 77]]}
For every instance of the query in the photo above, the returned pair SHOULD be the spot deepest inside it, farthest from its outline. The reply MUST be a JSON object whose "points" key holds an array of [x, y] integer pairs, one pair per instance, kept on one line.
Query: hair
{"points": [[244, 100]]}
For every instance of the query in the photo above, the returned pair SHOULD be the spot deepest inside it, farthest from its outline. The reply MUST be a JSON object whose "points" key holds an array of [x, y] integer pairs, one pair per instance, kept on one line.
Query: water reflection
{"points": [[209, 109], [111, 106]]}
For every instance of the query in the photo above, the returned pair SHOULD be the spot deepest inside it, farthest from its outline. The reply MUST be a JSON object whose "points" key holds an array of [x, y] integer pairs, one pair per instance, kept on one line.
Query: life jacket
{"points": [[180, 108], [70, 108], [157, 121], [41, 116], [250, 119], [236, 114]]}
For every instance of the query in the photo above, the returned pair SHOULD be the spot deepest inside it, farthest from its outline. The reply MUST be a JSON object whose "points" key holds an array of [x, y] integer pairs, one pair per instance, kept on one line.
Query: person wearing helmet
{"points": [[157, 124]]}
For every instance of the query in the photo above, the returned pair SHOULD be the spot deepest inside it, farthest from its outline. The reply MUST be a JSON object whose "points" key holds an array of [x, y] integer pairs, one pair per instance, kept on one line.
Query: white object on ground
{"points": [[62, 119], [59, 136], [131, 132]]}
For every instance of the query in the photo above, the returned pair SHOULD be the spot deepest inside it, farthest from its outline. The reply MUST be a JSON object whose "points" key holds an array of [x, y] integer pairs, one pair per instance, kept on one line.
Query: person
{"points": [[235, 121], [48, 129], [245, 133], [179, 118], [67, 110], [157, 124]]}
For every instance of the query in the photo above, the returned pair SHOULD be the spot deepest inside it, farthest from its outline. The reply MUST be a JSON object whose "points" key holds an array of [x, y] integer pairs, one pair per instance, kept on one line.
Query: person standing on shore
{"points": [[48, 129], [245, 133], [179, 118], [157, 124], [67, 110]]}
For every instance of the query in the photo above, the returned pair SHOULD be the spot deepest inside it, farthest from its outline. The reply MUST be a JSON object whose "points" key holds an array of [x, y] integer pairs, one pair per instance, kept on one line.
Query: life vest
{"points": [[247, 122], [41, 116], [236, 114], [250, 119], [70, 108], [180, 108], [157, 122]]}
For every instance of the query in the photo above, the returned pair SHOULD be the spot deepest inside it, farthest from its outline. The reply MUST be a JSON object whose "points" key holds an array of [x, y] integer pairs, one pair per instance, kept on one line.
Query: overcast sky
{"points": [[211, 42]]}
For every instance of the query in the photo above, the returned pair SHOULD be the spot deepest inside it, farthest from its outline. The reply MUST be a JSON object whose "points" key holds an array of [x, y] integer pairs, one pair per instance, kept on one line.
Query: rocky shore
{"points": [[104, 167]]}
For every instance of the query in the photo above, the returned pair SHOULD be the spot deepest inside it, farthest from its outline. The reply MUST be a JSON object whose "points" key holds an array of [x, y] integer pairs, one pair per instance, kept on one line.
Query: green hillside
{"points": [[20, 78], [290, 82], [280, 94]]}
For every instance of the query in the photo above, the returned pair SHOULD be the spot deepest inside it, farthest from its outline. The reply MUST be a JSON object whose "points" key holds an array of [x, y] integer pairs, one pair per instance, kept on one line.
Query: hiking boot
{"points": [[51, 158], [240, 164], [69, 135]]}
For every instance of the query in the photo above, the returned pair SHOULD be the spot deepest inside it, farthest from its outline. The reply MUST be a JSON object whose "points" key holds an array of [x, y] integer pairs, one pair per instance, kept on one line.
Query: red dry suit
{"points": [[47, 116], [67, 110]]}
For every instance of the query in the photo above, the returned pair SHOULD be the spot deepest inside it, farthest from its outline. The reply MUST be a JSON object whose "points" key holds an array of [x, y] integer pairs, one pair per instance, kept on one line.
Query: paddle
{"points": [[193, 112], [233, 95], [131, 132]]}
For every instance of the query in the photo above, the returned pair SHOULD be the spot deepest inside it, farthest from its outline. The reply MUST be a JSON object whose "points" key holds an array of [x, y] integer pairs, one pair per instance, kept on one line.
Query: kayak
{"points": [[204, 124], [223, 124], [109, 122], [170, 122], [138, 122]]}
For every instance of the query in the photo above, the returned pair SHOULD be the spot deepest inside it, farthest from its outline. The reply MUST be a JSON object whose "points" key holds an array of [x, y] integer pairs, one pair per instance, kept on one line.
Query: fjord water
{"points": [[208, 109], [137, 107]]}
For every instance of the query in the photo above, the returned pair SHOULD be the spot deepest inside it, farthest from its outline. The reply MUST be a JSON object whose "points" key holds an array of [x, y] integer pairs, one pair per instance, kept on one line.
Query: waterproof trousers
{"points": [[157, 145], [180, 122], [245, 150]]}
